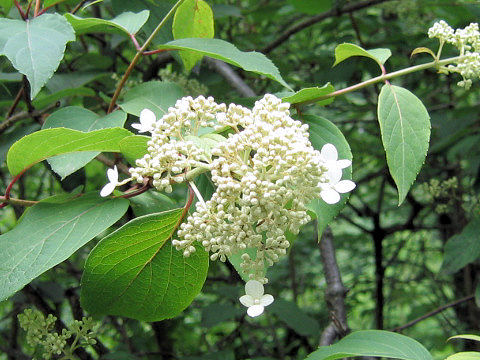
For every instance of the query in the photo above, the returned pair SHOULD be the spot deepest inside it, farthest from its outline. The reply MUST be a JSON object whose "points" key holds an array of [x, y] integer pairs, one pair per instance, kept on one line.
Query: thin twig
{"points": [[18, 97], [25, 115], [139, 55], [315, 19], [434, 312]]}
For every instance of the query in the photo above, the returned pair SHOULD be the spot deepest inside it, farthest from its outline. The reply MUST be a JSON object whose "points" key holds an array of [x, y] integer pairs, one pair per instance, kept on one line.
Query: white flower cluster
{"points": [[265, 175], [170, 152], [467, 41]]}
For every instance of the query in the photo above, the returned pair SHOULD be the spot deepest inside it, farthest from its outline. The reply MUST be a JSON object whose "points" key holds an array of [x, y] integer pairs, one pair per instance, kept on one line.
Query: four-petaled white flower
{"points": [[330, 192], [147, 120], [254, 299], [112, 175]]}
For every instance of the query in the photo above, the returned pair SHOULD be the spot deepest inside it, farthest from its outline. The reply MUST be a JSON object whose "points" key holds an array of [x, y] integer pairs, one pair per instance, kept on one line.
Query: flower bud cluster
{"points": [[265, 174], [170, 152], [467, 41], [40, 332]]}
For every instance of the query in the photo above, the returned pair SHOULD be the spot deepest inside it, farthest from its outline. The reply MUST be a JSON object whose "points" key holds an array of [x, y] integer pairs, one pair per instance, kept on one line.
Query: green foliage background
{"points": [[419, 256]]}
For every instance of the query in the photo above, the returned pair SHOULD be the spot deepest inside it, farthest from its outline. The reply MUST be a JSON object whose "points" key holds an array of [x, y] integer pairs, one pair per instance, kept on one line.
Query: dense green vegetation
{"points": [[397, 256]]}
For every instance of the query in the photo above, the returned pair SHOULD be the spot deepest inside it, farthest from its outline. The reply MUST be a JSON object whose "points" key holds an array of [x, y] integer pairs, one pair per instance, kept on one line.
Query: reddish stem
{"points": [[141, 190], [151, 52], [37, 8], [135, 42], [29, 7], [44, 10], [20, 10], [9, 188]]}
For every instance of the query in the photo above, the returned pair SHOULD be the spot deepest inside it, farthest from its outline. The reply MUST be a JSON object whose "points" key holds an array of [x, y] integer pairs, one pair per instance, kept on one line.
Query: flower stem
{"points": [[139, 54], [197, 192], [384, 77]]}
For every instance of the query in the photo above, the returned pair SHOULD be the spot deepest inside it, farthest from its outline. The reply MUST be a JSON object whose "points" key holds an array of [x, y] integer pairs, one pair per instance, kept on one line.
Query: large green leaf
{"points": [[157, 96], [46, 99], [225, 51], [463, 248], [465, 355], [8, 138], [346, 50], [376, 343], [193, 19], [295, 318], [78, 118], [323, 132], [49, 233], [46, 143], [136, 272], [126, 23], [465, 336], [134, 147], [35, 47], [405, 127], [309, 94]]}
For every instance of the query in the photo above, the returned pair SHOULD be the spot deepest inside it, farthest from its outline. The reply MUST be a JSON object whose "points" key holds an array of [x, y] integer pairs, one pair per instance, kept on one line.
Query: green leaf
{"points": [[78, 118], [46, 143], [225, 51], [420, 50], [157, 96], [35, 47], [126, 23], [6, 5], [346, 50], [45, 100], [193, 19], [323, 132], [134, 147], [405, 127], [465, 355], [465, 336], [309, 94], [7, 139], [136, 272], [463, 248], [49, 233], [151, 202], [295, 318], [376, 343], [311, 7]]}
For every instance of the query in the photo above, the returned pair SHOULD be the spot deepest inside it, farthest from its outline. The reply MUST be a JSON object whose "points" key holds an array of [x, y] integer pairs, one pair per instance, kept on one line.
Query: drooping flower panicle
{"points": [[265, 173], [467, 41]]}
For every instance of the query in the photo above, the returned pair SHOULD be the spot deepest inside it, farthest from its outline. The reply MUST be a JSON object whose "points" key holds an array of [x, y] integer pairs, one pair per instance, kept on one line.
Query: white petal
{"points": [[254, 288], [107, 189], [266, 300], [329, 152], [334, 175], [344, 186], [147, 117], [138, 126], [112, 175], [246, 300], [344, 163], [330, 196], [255, 310]]}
